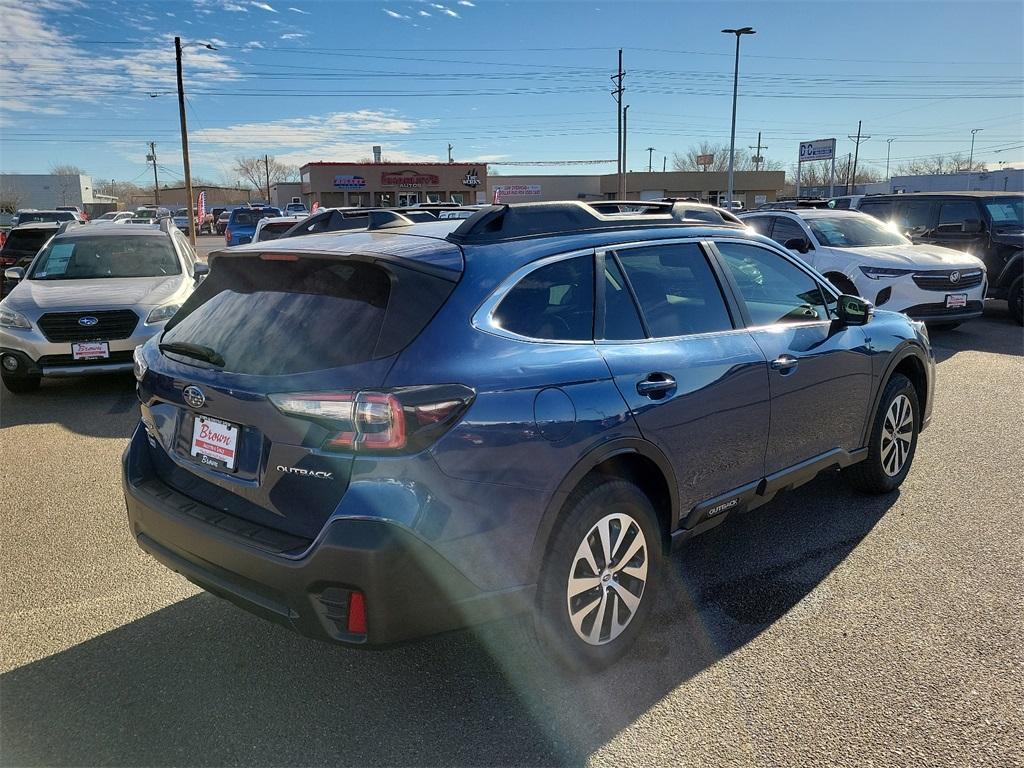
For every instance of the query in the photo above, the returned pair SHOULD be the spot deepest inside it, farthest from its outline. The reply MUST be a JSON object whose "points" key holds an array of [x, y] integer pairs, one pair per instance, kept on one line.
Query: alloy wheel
{"points": [[897, 434], [607, 579]]}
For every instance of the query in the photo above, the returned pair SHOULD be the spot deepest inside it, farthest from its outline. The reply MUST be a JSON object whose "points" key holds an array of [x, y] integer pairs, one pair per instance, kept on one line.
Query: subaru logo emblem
{"points": [[87, 320], [954, 277], [193, 396]]}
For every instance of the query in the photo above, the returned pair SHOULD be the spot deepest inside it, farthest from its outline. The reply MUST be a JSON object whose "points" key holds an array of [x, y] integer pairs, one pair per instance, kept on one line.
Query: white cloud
{"points": [[450, 12], [467, 3], [253, 44], [293, 35], [394, 14], [235, 8], [217, 41], [423, 13], [299, 10], [262, 6]]}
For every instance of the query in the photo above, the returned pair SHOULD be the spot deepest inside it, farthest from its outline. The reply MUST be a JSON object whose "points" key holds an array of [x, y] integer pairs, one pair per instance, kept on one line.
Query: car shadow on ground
{"points": [[94, 406], [203, 683], [994, 332]]}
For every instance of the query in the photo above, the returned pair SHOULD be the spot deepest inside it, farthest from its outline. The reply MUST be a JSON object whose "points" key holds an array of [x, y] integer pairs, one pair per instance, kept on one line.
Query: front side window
{"points": [[853, 232], [774, 290], [787, 229], [676, 289], [555, 302], [85, 258], [1006, 212], [954, 213], [621, 322], [914, 216]]}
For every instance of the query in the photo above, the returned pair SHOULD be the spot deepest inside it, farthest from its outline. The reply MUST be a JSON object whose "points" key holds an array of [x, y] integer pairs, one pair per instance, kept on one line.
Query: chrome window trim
{"points": [[483, 317]]}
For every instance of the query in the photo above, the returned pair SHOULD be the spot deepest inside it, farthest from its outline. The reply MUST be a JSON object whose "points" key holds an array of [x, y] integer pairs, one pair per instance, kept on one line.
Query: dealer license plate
{"points": [[90, 350], [214, 443], [954, 300]]}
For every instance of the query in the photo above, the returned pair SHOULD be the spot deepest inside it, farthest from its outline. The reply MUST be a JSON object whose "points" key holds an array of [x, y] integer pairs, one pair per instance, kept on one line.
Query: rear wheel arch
{"points": [[631, 459]]}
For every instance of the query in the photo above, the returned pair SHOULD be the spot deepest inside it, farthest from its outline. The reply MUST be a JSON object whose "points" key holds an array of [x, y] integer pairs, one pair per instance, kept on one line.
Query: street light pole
{"points": [[970, 163], [888, 151], [650, 159], [190, 203], [735, 90]]}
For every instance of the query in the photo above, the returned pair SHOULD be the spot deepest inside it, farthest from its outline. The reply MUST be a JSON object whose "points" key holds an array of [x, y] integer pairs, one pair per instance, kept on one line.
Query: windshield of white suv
{"points": [[1006, 212], [90, 258], [853, 232]]}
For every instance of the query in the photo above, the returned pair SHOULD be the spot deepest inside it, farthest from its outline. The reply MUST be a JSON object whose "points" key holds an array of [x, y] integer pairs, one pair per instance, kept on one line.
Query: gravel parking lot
{"points": [[825, 628]]}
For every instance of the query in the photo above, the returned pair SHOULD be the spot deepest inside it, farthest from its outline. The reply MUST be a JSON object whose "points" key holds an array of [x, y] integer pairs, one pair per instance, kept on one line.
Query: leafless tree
{"points": [[254, 171], [10, 199], [65, 169], [687, 161], [938, 164]]}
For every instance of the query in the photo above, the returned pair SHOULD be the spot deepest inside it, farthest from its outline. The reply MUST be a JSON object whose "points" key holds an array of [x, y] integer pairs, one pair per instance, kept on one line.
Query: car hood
{"points": [[910, 256], [58, 295]]}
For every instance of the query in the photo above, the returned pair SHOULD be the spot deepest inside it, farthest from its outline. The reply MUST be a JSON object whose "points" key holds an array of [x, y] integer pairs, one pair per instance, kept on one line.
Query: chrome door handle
{"points": [[785, 363], [651, 387]]}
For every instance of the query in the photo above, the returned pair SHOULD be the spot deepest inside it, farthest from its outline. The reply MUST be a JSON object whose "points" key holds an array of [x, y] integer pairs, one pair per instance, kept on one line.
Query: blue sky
{"points": [[502, 81]]}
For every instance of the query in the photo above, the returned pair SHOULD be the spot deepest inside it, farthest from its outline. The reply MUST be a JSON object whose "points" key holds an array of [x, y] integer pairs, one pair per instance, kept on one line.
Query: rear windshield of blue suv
{"points": [[273, 318], [247, 218]]}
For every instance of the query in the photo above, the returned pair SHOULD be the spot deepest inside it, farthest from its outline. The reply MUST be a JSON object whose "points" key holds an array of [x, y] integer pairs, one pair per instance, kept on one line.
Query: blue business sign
{"points": [[349, 182]]}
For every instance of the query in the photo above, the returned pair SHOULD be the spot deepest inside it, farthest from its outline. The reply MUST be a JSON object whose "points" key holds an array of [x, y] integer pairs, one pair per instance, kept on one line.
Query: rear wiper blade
{"points": [[197, 351]]}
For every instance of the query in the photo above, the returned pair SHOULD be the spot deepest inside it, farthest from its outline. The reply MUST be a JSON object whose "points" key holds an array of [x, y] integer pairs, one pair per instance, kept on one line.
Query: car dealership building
{"points": [[393, 184]]}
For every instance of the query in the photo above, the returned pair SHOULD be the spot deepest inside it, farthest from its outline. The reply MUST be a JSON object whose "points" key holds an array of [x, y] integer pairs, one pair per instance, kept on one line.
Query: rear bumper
{"points": [[410, 590]]}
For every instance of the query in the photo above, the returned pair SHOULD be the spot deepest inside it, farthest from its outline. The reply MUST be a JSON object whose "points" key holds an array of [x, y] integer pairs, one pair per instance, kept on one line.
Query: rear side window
{"points": [[774, 290], [880, 209], [243, 218], [760, 224], [915, 215], [283, 317], [676, 289], [621, 322], [555, 302], [275, 230]]}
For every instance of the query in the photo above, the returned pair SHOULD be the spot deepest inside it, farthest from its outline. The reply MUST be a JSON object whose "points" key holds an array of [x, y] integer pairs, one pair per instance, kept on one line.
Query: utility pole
{"points": [[266, 167], [625, 135], [888, 152], [664, 163], [189, 202], [852, 178], [450, 148], [156, 181], [757, 152], [617, 95], [650, 158]]}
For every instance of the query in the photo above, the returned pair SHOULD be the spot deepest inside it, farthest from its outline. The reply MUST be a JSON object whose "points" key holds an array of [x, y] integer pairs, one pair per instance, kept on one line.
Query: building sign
{"points": [[705, 160], [349, 182], [760, 199], [517, 190], [409, 179], [471, 179], [820, 149]]}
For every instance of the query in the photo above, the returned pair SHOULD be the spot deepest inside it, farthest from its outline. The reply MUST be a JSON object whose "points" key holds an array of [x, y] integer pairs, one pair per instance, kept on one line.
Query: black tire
{"points": [[843, 284], [874, 474], [943, 326], [21, 384], [552, 625], [1015, 300]]}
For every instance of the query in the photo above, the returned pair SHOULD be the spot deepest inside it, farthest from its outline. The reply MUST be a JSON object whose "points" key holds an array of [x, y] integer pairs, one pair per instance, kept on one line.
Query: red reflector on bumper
{"points": [[357, 614]]}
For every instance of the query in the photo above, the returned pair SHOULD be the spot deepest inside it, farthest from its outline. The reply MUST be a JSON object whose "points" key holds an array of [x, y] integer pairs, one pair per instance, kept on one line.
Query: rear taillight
{"points": [[402, 420], [227, 235]]}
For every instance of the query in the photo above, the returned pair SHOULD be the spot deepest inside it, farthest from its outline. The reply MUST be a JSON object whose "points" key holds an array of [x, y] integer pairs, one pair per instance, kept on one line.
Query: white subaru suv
{"points": [[89, 297], [862, 256]]}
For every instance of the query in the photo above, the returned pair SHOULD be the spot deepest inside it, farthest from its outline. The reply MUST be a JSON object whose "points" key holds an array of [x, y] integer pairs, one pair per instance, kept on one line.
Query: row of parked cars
{"points": [[325, 419]]}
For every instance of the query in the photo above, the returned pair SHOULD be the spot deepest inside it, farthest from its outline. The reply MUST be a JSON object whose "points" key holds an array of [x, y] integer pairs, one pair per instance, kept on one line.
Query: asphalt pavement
{"points": [[826, 628]]}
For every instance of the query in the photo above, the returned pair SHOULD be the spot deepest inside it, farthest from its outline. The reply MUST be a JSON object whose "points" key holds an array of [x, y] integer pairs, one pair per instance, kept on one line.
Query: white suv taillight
{"points": [[396, 421]]}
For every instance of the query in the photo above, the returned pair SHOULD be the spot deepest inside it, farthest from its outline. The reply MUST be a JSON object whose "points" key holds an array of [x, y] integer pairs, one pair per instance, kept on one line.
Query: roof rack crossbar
{"points": [[515, 221]]}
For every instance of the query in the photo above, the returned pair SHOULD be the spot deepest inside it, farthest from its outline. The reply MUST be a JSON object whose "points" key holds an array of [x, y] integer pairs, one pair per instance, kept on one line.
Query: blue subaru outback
{"points": [[376, 435]]}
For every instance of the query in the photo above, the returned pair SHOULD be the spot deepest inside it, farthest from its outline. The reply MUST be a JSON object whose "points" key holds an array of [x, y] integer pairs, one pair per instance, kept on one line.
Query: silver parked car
{"points": [[90, 297]]}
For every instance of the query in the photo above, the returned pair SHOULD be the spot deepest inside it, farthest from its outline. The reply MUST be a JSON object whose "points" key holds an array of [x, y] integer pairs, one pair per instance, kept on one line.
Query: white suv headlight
{"points": [[877, 272], [166, 312], [11, 319]]}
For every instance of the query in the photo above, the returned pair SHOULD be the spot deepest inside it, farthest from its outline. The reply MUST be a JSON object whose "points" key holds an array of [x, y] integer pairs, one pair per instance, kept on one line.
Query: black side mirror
{"points": [[200, 270], [971, 226], [14, 273], [798, 244], [853, 310]]}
